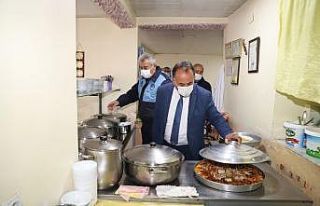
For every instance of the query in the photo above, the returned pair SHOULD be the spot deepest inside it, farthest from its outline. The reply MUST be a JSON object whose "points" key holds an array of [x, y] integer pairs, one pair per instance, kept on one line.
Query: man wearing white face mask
{"points": [[181, 110], [198, 69], [144, 91]]}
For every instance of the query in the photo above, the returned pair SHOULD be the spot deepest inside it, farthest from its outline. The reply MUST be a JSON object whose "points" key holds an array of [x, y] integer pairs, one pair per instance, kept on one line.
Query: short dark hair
{"points": [[184, 65]]}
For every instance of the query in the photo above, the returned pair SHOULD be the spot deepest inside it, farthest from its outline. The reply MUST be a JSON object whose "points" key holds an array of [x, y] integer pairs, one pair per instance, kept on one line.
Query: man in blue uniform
{"points": [[144, 91]]}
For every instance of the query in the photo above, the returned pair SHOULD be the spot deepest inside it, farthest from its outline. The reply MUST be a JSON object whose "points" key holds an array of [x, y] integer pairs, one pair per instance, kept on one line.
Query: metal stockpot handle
{"points": [[158, 170], [82, 156], [153, 144]]}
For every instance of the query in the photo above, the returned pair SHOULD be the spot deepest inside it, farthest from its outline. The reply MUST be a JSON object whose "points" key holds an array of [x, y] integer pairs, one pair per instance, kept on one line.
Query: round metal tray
{"points": [[228, 187]]}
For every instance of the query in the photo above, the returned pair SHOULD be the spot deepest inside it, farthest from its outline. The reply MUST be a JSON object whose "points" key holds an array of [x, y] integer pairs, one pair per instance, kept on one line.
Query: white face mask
{"points": [[185, 91], [145, 73], [197, 77]]}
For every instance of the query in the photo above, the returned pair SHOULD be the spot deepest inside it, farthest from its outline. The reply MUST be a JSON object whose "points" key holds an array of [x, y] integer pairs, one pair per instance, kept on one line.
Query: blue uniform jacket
{"points": [[201, 108], [145, 90]]}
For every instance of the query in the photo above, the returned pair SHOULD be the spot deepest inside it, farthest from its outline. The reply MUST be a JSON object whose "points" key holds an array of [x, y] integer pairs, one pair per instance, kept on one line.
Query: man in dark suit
{"points": [[181, 110], [198, 69]]}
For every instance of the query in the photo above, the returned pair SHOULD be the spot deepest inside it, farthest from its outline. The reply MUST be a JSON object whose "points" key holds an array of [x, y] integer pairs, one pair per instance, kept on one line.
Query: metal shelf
{"points": [[99, 94], [96, 93]]}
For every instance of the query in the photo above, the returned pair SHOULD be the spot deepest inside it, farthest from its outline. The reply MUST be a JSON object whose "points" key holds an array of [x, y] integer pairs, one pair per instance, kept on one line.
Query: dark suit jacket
{"points": [[204, 84], [201, 108]]}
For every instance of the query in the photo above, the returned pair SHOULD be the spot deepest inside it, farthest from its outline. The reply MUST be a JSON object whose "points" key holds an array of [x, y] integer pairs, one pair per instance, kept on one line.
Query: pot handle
{"points": [[158, 170], [82, 156], [104, 138], [153, 144]]}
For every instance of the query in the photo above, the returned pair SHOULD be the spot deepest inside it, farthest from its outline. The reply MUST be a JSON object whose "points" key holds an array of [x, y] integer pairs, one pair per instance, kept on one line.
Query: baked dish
{"points": [[232, 174]]}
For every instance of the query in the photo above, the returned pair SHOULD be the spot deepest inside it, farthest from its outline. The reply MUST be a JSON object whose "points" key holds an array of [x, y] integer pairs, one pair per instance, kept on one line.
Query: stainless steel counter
{"points": [[275, 191]]}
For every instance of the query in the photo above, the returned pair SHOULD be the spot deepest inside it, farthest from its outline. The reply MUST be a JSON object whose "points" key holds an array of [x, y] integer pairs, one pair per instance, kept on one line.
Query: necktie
{"points": [[176, 122]]}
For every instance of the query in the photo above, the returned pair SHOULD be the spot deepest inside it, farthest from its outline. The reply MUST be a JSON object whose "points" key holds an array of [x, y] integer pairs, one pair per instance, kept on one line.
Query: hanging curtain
{"points": [[219, 90], [298, 66]]}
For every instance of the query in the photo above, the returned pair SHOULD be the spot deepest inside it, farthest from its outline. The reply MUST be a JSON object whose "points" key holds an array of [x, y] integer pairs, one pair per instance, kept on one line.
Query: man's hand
{"points": [[112, 105], [233, 137]]}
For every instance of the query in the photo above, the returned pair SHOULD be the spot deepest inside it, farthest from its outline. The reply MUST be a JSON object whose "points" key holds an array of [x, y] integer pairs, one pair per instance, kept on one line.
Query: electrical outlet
{"points": [[13, 201]]}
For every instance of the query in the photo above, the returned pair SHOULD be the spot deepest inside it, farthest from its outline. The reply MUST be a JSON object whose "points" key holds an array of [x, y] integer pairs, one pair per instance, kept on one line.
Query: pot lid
{"points": [[152, 154], [90, 132], [113, 116], [103, 145], [233, 153], [98, 122]]}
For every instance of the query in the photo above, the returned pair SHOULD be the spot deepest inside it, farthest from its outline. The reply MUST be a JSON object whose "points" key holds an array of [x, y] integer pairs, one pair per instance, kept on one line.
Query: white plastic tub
{"points": [[295, 134], [313, 141]]}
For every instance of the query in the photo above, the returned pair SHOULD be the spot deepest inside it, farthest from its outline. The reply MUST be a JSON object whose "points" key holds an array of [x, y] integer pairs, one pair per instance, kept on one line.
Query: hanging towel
{"points": [[298, 69], [219, 90]]}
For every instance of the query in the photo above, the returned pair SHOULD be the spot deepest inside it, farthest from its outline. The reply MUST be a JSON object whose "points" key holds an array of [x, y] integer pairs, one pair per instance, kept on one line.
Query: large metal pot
{"points": [[102, 123], [85, 133], [107, 153], [114, 116], [152, 164]]}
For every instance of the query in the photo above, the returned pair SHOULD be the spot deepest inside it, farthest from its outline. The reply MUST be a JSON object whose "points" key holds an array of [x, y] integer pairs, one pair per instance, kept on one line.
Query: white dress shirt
{"points": [[182, 137]]}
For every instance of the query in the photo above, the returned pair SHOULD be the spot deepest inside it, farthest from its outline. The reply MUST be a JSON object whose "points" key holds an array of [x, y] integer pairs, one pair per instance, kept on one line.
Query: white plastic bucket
{"points": [[313, 141], [295, 134]]}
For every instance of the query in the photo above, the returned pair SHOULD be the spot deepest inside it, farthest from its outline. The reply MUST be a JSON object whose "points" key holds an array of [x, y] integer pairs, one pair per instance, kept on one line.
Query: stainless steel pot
{"points": [[124, 127], [102, 123], [114, 116], [152, 164], [107, 153], [85, 133]]}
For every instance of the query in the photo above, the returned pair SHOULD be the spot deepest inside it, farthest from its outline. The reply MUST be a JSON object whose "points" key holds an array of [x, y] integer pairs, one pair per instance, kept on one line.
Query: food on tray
{"points": [[243, 174]]}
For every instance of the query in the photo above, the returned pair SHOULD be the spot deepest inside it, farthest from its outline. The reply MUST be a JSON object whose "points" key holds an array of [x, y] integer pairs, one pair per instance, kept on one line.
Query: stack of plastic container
{"points": [[85, 177]]}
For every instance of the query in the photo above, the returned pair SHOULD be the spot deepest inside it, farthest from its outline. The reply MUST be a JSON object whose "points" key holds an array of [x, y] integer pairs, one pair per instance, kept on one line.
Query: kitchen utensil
{"points": [[304, 117], [313, 141], [309, 121], [107, 153], [152, 164], [233, 153]]}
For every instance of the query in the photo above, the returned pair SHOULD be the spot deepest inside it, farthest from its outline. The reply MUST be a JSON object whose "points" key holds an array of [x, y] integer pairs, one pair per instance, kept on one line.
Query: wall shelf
{"points": [[301, 152], [99, 94]]}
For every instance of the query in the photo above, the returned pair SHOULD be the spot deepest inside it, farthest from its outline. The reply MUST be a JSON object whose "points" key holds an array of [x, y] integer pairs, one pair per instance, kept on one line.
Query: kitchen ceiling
{"points": [[89, 9], [183, 42], [166, 8], [185, 8]]}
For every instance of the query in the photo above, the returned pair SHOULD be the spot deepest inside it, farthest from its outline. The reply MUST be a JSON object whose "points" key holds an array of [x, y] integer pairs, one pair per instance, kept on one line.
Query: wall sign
{"points": [[235, 71], [253, 57], [234, 49], [80, 63]]}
